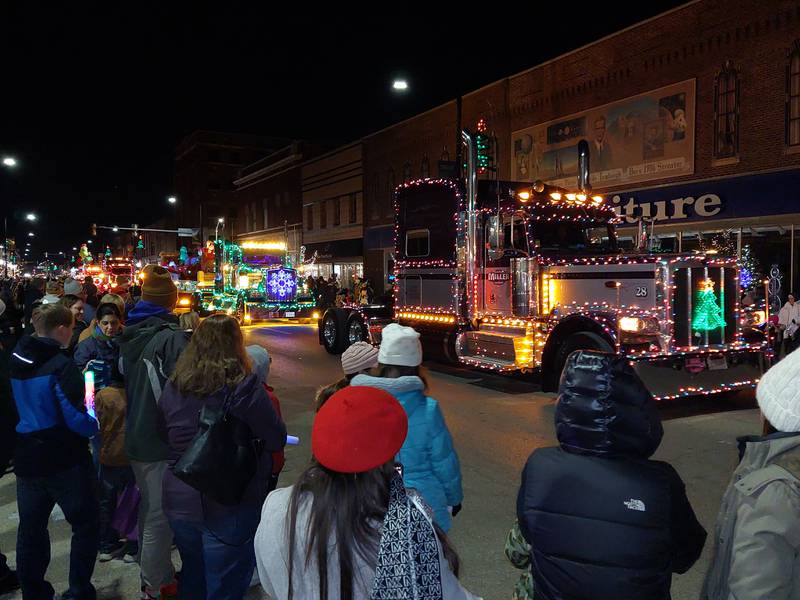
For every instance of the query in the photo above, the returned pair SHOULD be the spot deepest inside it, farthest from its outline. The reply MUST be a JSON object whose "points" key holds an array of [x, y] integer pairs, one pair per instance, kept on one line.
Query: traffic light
{"points": [[485, 147], [94, 229]]}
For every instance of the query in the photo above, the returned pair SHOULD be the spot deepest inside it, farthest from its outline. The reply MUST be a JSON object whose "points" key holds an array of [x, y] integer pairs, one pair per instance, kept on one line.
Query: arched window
{"points": [[726, 112], [445, 154], [406, 172], [425, 167], [793, 97]]}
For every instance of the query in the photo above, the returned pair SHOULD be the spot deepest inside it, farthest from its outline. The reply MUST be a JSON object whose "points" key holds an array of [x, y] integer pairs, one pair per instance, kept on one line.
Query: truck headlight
{"points": [[638, 324], [185, 301]]}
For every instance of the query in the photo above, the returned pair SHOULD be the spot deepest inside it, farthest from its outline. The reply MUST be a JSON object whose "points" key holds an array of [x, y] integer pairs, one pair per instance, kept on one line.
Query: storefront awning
{"points": [[337, 250]]}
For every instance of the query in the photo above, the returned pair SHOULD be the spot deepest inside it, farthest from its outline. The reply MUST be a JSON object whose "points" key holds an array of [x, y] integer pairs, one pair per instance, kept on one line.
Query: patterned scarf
{"points": [[408, 556]]}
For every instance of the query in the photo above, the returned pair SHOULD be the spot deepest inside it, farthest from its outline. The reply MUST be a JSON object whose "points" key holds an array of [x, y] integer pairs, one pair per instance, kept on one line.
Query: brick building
{"points": [[693, 119], [269, 198], [333, 224], [206, 164]]}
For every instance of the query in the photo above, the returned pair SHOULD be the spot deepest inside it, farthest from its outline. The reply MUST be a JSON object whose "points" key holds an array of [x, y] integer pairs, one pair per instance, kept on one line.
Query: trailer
{"points": [[512, 277]]}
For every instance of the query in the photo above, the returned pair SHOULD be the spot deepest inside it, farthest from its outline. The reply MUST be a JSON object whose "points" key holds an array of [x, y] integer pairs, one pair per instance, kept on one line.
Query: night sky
{"points": [[94, 99]]}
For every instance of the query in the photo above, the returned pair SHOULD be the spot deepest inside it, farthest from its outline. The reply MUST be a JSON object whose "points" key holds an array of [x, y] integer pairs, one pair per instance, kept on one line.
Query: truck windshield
{"points": [[573, 237]]}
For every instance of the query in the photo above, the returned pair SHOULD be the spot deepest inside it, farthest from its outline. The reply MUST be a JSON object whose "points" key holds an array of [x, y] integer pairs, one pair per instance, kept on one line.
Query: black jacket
{"points": [[603, 521]]}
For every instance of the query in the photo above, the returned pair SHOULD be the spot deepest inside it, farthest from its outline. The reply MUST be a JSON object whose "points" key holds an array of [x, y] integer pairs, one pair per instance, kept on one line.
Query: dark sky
{"points": [[93, 98]]}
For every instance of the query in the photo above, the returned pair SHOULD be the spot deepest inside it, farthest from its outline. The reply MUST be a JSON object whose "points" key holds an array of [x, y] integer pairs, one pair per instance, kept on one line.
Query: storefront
{"points": [[755, 215], [343, 258]]}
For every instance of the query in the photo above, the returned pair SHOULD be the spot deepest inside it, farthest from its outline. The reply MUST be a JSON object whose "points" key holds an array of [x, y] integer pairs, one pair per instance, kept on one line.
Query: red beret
{"points": [[358, 429]]}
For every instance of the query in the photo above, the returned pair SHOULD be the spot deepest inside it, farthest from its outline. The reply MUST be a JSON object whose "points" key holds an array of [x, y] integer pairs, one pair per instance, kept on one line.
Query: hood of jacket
{"points": [[144, 310], [32, 352], [604, 408], [407, 386]]}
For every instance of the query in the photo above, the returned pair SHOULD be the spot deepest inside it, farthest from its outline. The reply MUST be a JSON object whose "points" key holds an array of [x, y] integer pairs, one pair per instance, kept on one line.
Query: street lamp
{"points": [[9, 161], [30, 234], [400, 85], [172, 199], [30, 217], [220, 221], [115, 229]]}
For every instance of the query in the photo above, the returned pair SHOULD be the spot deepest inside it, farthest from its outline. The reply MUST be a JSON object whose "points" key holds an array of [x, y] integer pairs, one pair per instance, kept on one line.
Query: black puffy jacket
{"points": [[603, 521]]}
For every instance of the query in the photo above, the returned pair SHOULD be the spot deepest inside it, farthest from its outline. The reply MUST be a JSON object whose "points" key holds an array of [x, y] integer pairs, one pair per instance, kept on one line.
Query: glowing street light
{"points": [[115, 229], [31, 217], [9, 161], [172, 199], [400, 85], [30, 234], [74, 249]]}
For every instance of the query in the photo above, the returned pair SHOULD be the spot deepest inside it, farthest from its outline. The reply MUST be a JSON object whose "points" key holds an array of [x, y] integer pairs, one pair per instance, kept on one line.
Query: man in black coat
{"points": [[602, 520]]}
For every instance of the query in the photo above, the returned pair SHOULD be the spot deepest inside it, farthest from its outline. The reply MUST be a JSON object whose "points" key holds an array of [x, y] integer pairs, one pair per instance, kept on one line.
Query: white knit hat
{"points": [[778, 394], [359, 357], [400, 346]]}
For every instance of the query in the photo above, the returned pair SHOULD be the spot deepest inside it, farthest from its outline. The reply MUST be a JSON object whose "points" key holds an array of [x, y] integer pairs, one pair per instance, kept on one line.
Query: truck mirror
{"points": [[494, 237]]}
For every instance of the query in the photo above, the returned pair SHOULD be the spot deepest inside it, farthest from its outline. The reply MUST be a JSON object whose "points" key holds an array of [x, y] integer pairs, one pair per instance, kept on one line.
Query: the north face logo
{"points": [[634, 504]]}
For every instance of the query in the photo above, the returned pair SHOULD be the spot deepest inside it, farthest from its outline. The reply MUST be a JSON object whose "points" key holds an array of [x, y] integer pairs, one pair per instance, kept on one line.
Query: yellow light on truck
{"points": [[555, 196], [185, 301], [571, 197], [244, 282], [248, 318], [581, 197], [597, 200], [524, 196], [315, 315], [630, 324]]}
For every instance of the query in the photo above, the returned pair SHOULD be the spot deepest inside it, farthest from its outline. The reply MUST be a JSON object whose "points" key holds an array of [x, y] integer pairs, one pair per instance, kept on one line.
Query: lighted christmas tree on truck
{"points": [[707, 311]]}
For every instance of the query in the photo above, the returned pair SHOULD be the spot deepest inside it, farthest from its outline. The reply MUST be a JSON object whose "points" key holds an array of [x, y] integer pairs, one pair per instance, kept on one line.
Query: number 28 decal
{"points": [[641, 291]]}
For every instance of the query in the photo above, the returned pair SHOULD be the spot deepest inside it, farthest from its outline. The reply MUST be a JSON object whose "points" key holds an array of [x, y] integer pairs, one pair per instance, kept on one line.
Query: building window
{"points": [[793, 97], [418, 243], [445, 154], [374, 213], [726, 112], [353, 208], [337, 212], [425, 169], [406, 172], [309, 217], [390, 185], [323, 214]]}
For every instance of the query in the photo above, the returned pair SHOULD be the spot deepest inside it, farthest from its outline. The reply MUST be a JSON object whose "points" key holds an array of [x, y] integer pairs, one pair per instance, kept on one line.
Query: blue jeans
{"points": [[74, 491], [213, 568]]}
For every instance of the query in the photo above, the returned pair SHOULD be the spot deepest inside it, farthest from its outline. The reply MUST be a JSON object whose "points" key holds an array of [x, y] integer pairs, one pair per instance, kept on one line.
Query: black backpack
{"points": [[222, 458]]}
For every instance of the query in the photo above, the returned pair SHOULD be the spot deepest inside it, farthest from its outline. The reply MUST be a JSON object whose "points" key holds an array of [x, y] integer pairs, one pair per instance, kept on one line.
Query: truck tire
{"points": [[583, 340], [356, 330], [332, 331]]}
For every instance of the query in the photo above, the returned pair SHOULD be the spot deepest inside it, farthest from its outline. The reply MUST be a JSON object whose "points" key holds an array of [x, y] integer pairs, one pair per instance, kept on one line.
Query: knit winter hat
{"points": [[778, 394], [71, 286], [359, 357], [260, 358], [358, 429], [400, 346], [158, 287]]}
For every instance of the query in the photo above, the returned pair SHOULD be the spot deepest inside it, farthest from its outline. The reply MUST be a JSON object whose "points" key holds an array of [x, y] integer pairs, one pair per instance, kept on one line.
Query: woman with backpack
{"points": [[215, 541]]}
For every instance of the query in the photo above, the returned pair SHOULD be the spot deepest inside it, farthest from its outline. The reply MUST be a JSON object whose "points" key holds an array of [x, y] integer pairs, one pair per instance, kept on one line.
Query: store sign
{"points": [[731, 198]]}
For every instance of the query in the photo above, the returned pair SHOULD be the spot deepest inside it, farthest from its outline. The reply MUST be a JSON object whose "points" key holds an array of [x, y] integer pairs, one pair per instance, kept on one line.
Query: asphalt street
{"points": [[496, 423]]}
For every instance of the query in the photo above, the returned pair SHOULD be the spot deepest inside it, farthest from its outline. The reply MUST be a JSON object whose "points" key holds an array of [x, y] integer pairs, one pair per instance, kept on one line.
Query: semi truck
{"points": [[514, 276]]}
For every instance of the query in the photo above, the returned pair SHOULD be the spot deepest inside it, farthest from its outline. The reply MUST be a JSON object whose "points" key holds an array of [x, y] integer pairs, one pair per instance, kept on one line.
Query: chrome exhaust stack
{"points": [[583, 167]]}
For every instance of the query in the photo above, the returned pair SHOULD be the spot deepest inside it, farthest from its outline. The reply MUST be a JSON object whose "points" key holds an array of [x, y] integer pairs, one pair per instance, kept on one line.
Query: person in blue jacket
{"points": [[430, 463], [51, 456]]}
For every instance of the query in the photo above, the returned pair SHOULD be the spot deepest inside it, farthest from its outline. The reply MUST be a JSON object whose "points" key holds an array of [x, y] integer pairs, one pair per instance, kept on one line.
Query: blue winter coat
{"points": [[430, 463]]}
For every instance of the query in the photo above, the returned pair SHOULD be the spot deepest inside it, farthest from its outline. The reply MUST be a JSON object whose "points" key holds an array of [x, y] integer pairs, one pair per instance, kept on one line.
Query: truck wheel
{"points": [[585, 340], [333, 332], [356, 331]]}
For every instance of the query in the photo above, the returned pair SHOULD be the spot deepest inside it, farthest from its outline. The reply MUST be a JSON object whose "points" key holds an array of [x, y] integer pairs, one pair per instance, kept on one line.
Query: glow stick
{"points": [[88, 390], [292, 440]]}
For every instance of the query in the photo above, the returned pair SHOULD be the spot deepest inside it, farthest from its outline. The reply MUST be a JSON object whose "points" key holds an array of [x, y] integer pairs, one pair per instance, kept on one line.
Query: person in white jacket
{"points": [[789, 323], [348, 529]]}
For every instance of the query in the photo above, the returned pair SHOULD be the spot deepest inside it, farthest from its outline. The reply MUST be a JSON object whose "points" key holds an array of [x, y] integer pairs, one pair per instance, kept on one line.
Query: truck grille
{"points": [[704, 300]]}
